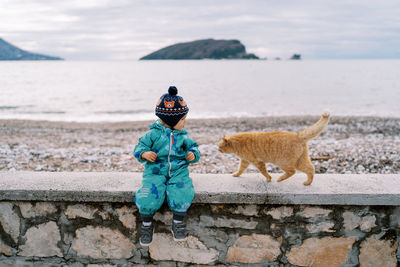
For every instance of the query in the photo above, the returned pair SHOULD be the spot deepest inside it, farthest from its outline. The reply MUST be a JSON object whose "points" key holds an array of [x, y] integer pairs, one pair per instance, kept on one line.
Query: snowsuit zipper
{"points": [[171, 141]]}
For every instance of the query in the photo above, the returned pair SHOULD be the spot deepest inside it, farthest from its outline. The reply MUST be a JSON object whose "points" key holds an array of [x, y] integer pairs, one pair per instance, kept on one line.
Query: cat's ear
{"points": [[225, 139]]}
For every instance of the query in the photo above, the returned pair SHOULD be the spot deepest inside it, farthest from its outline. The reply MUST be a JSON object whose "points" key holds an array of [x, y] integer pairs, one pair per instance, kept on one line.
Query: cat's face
{"points": [[224, 146]]}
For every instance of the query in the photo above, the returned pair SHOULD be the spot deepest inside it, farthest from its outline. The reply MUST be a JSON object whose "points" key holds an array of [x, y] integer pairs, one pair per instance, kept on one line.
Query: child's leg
{"points": [[149, 199], [147, 220], [180, 194], [180, 191], [151, 195], [178, 217]]}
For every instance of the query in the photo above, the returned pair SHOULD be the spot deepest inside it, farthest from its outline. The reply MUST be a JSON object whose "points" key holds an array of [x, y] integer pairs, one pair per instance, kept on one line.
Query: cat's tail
{"points": [[316, 129]]}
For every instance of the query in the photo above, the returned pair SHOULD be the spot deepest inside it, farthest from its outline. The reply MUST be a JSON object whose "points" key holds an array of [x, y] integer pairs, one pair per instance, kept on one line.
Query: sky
{"points": [[130, 29]]}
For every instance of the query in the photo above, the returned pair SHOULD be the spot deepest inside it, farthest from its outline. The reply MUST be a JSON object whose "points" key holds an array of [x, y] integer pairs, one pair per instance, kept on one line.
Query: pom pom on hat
{"points": [[172, 90], [171, 108]]}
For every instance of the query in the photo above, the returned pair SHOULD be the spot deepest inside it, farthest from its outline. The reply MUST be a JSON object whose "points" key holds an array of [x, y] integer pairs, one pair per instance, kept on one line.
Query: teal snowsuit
{"points": [[169, 173]]}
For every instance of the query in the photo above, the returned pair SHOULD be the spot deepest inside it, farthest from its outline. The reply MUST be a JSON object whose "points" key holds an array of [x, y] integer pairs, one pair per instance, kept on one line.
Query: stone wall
{"points": [[37, 233], [88, 219]]}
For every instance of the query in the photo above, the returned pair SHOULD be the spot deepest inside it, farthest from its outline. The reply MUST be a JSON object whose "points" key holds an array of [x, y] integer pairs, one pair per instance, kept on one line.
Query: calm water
{"points": [[128, 91]]}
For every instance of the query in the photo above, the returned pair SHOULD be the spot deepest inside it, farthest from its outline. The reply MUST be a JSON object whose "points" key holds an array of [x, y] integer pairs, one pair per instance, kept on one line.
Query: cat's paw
{"points": [[235, 174], [307, 183]]}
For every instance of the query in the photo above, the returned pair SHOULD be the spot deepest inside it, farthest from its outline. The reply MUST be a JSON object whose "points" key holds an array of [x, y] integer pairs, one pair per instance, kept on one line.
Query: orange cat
{"points": [[289, 151]]}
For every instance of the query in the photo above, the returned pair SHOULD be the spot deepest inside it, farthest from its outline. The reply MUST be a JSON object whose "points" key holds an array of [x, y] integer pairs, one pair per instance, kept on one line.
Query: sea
{"points": [[112, 91]]}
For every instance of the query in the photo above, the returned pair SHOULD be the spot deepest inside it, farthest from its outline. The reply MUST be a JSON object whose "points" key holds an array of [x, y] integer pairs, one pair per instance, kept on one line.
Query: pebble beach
{"points": [[348, 145]]}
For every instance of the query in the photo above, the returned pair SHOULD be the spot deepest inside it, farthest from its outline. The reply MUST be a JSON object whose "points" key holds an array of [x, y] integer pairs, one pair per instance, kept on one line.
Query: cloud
{"points": [[127, 30]]}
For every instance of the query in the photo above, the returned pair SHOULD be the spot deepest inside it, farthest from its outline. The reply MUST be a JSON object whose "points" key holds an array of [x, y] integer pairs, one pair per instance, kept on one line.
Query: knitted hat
{"points": [[171, 107]]}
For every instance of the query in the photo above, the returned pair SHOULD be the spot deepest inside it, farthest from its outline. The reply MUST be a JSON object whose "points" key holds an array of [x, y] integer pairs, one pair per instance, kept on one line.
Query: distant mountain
{"points": [[203, 49], [11, 52], [296, 57]]}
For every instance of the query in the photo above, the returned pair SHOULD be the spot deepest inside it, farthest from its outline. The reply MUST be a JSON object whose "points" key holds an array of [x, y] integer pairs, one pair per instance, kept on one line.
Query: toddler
{"points": [[167, 151]]}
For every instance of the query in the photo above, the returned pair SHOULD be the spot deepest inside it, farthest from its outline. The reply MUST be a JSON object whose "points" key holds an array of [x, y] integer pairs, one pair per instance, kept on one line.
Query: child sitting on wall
{"points": [[167, 151]]}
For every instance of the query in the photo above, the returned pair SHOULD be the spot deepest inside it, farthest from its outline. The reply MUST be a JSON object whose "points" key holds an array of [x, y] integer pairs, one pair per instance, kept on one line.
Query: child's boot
{"points": [[179, 227], [179, 231], [146, 231]]}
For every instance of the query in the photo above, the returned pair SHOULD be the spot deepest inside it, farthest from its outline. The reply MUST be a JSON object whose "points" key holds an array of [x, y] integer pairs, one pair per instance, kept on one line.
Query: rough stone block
{"points": [[350, 221], [206, 221], [375, 252], [4, 249], [80, 210], [164, 248], [125, 215], [41, 241], [254, 248], [327, 251], [246, 210], [39, 209], [310, 212], [367, 223], [9, 220], [220, 207], [102, 243], [321, 227], [281, 212]]}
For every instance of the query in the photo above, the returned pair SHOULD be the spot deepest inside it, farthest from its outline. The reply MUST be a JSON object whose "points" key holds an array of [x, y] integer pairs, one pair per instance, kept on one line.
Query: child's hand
{"points": [[149, 155], [191, 156]]}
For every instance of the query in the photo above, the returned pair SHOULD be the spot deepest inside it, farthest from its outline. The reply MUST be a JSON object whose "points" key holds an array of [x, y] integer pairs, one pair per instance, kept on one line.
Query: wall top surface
{"points": [[327, 189]]}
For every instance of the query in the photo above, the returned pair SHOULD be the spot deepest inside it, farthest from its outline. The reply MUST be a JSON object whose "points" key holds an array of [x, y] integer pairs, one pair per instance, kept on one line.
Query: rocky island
{"points": [[203, 49], [11, 52], [296, 57]]}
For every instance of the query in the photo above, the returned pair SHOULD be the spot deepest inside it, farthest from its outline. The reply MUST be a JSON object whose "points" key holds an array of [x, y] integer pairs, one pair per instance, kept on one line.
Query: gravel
{"points": [[347, 145]]}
